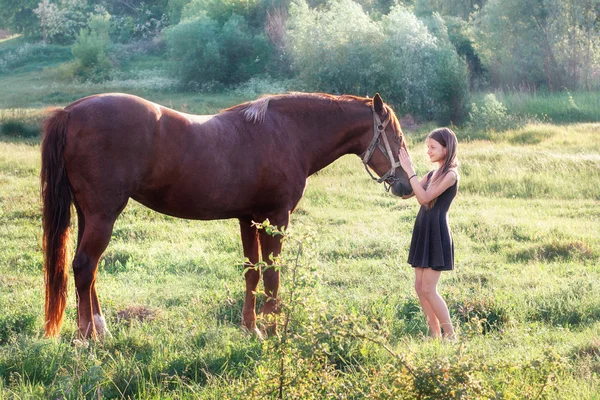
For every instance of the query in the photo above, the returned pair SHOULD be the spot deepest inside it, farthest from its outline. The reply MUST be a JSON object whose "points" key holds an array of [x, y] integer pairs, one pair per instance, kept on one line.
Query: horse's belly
{"points": [[191, 207], [219, 199]]}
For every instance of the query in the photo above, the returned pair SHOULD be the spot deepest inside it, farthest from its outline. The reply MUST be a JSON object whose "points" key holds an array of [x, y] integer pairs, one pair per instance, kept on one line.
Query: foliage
{"points": [[18, 129], [461, 37], [491, 116], [252, 11], [256, 87], [175, 10], [12, 58], [18, 16], [207, 53], [60, 23], [551, 43], [316, 355], [195, 46], [448, 8], [341, 50], [148, 25], [91, 51], [19, 123]]}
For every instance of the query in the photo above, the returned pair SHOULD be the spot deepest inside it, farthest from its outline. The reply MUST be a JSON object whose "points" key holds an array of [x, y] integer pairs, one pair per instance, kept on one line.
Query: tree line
{"points": [[424, 55]]}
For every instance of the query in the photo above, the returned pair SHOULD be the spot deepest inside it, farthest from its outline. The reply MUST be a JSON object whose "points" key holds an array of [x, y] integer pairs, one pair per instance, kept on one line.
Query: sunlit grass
{"points": [[560, 107], [11, 40], [525, 287]]}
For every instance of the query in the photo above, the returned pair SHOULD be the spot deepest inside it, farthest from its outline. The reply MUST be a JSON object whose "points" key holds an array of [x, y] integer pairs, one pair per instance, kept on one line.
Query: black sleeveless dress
{"points": [[431, 245]]}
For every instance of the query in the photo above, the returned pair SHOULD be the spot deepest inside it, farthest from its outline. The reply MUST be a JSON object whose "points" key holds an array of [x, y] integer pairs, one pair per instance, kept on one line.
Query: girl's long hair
{"points": [[447, 138]]}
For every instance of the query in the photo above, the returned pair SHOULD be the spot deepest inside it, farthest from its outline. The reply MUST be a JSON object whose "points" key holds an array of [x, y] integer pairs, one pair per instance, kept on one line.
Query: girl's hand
{"points": [[406, 162]]}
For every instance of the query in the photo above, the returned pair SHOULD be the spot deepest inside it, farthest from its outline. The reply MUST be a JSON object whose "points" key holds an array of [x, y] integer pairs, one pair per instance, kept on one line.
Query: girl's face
{"points": [[435, 151]]}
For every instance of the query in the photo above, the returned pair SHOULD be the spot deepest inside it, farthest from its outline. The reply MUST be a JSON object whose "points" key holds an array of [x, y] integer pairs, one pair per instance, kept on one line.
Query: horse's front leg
{"points": [[251, 247], [271, 246]]}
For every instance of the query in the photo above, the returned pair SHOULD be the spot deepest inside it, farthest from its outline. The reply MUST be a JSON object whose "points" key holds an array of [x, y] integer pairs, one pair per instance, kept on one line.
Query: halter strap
{"points": [[378, 132]]}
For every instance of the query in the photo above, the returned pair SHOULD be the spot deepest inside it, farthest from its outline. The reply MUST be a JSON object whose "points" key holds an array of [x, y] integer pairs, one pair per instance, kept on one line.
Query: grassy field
{"points": [[525, 295], [560, 107]]}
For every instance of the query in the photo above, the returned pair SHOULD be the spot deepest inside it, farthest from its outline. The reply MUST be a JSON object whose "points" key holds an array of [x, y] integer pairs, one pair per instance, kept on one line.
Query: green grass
{"points": [[558, 107], [525, 295]]}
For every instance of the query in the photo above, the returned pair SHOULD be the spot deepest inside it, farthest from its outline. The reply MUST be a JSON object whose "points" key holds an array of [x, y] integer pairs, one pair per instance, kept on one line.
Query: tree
{"points": [[551, 43], [456, 8], [18, 16], [340, 49], [91, 50], [61, 22]]}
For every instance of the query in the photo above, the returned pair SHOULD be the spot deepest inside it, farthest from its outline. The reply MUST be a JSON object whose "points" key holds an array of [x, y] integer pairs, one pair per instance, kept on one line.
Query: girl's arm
{"points": [[423, 196], [426, 196], [423, 182]]}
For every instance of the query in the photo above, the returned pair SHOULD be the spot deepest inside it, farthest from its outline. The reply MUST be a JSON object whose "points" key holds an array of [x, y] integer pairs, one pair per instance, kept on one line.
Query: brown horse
{"points": [[249, 162]]}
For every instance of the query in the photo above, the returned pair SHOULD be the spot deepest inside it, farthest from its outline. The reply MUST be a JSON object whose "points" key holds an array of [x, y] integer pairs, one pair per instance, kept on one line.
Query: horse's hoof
{"points": [[100, 325], [253, 331], [81, 343], [259, 334]]}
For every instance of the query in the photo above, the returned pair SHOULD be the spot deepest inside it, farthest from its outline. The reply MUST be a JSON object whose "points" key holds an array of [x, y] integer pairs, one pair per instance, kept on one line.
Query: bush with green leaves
{"points": [[341, 49], [19, 123], [18, 128], [491, 116], [91, 51], [61, 21], [209, 54]]}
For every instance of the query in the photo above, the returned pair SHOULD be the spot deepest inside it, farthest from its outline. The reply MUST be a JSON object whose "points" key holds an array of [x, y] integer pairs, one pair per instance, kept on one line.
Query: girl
{"points": [[431, 248]]}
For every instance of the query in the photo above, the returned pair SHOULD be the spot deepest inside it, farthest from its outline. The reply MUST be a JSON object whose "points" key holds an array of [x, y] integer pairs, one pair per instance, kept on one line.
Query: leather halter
{"points": [[379, 132]]}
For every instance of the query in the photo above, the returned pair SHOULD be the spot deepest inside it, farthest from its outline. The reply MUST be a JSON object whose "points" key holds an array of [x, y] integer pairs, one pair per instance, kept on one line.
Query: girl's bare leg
{"points": [[429, 283], [432, 319]]}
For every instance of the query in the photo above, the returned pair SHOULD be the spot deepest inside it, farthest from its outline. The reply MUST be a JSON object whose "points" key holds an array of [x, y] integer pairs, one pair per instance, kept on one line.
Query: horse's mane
{"points": [[255, 110]]}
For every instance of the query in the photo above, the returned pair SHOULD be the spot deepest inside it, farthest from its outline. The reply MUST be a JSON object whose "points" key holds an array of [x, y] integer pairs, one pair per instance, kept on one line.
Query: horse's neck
{"points": [[345, 135]]}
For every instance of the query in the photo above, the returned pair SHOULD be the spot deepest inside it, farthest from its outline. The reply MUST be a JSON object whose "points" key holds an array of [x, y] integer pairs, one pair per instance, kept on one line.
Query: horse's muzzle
{"points": [[399, 189]]}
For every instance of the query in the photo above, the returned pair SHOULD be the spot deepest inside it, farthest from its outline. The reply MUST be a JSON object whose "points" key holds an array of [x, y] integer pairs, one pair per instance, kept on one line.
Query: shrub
{"points": [[207, 52], [491, 116], [334, 53], [342, 50], [480, 314], [19, 123], [18, 128], [91, 51], [194, 45]]}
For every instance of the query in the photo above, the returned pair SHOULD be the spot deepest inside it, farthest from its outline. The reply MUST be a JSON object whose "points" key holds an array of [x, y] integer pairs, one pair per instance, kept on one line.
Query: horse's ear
{"points": [[378, 104]]}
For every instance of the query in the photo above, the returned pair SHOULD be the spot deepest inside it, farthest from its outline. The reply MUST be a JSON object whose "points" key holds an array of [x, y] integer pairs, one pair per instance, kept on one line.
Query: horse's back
{"points": [[109, 146], [121, 146], [202, 167]]}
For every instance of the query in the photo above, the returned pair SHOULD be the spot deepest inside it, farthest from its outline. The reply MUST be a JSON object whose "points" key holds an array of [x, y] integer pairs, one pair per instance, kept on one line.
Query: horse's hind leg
{"points": [[93, 241]]}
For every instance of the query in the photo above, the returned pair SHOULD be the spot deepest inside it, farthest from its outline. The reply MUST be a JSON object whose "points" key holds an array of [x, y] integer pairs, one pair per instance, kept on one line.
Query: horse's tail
{"points": [[56, 200]]}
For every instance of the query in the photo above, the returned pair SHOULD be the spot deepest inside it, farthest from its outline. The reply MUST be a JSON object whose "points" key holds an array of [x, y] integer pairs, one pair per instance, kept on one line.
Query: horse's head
{"points": [[382, 153]]}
